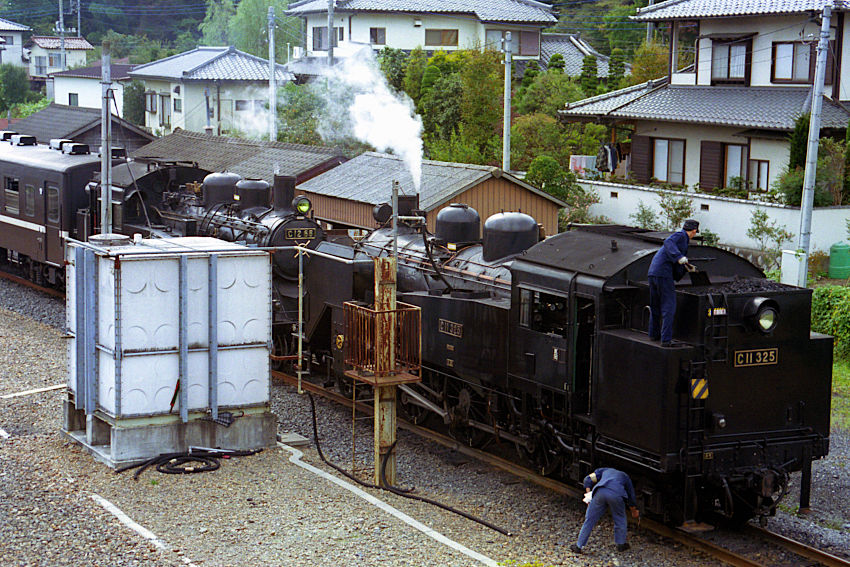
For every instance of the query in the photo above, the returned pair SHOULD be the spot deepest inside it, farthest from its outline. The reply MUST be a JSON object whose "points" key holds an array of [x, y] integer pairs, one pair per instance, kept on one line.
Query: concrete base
{"points": [[117, 442]]}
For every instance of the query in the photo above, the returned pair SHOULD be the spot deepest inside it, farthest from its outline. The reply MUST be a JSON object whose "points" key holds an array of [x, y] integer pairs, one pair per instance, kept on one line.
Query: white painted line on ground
{"points": [[4, 434], [296, 459], [35, 391], [141, 530]]}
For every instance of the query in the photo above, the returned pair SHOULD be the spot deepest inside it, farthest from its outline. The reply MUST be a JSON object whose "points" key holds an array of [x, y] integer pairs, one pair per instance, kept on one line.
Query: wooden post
{"points": [[385, 341]]}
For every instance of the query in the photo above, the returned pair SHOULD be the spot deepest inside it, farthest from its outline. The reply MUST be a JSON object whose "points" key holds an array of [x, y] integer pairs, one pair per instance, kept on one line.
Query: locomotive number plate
{"points": [[450, 328], [756, 357], [299, 233]]}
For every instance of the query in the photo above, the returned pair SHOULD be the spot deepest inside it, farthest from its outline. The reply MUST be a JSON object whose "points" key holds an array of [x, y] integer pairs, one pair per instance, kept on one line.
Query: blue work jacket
{"points": [[615, 480], [665, 263]]}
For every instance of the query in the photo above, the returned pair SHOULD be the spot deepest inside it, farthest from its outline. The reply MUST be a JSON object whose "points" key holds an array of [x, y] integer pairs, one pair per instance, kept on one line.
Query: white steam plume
{"points": [[361, 104]]}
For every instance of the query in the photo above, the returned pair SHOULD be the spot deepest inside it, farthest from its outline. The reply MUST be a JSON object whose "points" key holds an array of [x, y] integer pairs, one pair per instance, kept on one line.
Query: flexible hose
{"points": [[168, 463], [387, 486]]}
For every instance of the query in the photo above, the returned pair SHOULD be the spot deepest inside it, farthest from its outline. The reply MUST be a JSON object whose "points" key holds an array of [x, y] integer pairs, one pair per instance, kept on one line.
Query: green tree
{"points": [[589, 79], [393, 63], [645, 217], [799, 139], [14, 87], [481, 78], [532, 70], [616, 68], [557, 63], [429, 77], [650, 62], [248, 31], [770, 235], [440, 108], [585, 139], [537, 135], [674, 210], [134, 102], [298, 114], [621, 31], [545, 173], [216, 22], [548, 93], [412, 83]]}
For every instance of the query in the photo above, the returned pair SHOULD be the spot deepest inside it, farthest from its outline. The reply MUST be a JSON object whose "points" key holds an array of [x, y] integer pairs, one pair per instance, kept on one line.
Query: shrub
{"points": [[831, 315], [645, 217], [769, 236]]}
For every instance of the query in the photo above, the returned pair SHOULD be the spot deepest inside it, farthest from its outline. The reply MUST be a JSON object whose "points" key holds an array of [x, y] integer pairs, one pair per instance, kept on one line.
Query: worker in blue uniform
{"points": [[611, 489], [668, 264]]}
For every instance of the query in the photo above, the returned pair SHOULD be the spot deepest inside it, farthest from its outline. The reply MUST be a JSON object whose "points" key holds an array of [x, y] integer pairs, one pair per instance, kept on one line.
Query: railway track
{"points": [[27, 283], [808, 555]]}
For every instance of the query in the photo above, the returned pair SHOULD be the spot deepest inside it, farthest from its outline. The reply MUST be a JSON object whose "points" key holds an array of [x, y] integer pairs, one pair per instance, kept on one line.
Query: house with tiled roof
{"points": [[45, 55], [12, 42], [346, 195], [252, 159], [726, 113], [431, 24], [215, 89], [82, 86]]}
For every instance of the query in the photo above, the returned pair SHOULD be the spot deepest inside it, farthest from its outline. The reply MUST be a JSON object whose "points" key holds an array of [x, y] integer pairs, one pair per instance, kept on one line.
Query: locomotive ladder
{"points": [[716, 337], [692, 427]]}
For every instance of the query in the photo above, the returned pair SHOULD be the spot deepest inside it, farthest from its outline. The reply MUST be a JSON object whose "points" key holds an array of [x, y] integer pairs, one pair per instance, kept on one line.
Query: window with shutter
{"points": [[710, 165]]}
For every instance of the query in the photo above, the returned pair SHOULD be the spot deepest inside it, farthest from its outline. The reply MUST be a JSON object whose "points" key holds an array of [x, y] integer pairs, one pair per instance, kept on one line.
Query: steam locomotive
{"points": [[542, 344]]}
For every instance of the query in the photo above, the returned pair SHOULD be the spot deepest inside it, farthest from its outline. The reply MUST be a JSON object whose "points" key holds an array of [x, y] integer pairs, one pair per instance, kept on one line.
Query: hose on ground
{"points": [[175, 463]]}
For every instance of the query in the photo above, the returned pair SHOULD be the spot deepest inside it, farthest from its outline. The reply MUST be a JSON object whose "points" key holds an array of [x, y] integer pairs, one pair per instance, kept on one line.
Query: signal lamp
{"points": [[302, 205], [762, 313]]}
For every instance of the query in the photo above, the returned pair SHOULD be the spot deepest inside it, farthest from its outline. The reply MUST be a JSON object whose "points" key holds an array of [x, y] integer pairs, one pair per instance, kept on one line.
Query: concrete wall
{"points": [[88, 92], [729, 218]]}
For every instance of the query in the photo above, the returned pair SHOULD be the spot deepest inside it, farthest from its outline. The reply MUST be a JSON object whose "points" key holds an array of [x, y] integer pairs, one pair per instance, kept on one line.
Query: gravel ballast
{"points": [[265, 510]]}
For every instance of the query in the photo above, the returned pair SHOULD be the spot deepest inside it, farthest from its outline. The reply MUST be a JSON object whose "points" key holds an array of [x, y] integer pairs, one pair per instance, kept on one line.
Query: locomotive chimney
{"points": [[284, 191]]}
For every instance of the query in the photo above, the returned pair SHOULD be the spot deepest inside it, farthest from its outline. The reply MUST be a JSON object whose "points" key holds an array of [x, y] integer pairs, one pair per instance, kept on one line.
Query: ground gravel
{"points": [[264, 510]]}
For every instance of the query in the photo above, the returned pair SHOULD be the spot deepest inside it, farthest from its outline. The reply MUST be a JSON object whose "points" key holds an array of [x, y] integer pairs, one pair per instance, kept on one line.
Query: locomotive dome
{"points": [[220, 187], [506, 234], [458, 223]]}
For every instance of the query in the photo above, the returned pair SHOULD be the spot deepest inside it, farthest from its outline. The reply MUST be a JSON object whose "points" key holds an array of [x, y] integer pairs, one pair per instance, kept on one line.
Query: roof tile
{"points": [[51, 42], [485, 10], [688, 9], [211, 63]]}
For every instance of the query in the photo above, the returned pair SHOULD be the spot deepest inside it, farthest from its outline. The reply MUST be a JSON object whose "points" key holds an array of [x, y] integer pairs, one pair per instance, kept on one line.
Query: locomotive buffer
{"points": [[383, 347]]}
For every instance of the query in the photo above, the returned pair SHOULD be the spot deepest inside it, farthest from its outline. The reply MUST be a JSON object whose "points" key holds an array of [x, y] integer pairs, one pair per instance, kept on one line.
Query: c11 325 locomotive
{"points": [[543, 344]]}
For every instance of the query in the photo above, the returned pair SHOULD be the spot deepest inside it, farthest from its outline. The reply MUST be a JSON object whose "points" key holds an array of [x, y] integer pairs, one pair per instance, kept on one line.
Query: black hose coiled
{"points": [[388, 487], [170, 463]]}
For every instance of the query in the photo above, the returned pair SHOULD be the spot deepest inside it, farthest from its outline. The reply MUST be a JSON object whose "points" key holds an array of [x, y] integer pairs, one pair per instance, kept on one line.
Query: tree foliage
{"points": [[14, 87], [440, 108], [770, 236], [557, 63], [616, 68], [393, 63], [588, 78], [535, 135], [134, 102], [214, 28], [481, 78], [650, 62], [412, 83], [248, 28], [548, 93], [799, 139]]}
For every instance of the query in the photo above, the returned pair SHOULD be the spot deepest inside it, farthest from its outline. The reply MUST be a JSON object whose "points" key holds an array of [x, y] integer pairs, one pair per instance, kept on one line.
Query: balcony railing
{"points": [[362, 352]]}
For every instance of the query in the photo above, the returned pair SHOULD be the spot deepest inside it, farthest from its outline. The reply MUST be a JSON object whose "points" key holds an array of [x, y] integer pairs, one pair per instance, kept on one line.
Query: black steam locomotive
{"points": [[543, 345]]}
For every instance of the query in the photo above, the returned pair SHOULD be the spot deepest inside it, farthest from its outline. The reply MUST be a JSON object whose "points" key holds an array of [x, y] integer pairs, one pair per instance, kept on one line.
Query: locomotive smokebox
{"points": [[253, 193], [284, 192], [506, 234], [458, 224], [220, 188]]}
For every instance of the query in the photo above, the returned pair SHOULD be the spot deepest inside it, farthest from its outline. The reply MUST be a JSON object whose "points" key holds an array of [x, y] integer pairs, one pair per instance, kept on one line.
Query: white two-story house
{"points": [[217, 89], [12, 44], [728, 114], [430, 24], [45, 55]]}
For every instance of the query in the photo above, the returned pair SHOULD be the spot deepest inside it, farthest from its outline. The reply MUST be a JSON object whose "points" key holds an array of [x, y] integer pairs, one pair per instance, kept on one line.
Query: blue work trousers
{"points": [[662, 308], [604, 498]]}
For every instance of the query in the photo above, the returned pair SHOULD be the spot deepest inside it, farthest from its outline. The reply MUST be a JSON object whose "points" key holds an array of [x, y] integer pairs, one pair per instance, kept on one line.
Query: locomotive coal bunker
{"points": [[544, 345]]}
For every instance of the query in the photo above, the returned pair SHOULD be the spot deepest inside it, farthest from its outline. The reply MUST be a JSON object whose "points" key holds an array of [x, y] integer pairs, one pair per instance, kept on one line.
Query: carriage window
{"points": [[52, 204], [13, 204], [543, 312], [29, 201]]}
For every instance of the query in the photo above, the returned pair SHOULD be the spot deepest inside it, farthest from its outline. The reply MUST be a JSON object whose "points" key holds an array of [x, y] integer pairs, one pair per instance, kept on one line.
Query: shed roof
{"points": [[211, 64], [117, 71], [249, 158], [692, 9], [61, 121], [54, 42], [9, 25], [368, 179], [777, 108], [520, 11]]}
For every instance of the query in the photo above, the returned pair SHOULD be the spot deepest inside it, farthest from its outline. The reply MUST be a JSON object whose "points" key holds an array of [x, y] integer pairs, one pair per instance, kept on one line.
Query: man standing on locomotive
{"points": [[668, 264], [611, 489]]}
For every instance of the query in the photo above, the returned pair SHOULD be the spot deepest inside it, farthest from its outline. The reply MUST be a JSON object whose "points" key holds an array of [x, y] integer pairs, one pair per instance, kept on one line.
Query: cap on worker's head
{"points": [[691, 224]]}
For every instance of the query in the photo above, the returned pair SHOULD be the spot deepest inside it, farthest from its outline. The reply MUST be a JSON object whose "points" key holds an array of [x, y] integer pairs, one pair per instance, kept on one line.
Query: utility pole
{"points": [[62, 34], [105, 150], [649, 26], [812, 149], [272, 80], [330, 33], [506, 134], [79, 11]]}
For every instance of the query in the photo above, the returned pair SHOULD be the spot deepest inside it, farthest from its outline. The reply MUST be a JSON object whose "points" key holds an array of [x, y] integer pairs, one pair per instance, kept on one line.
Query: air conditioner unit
{"points": [[417, 22]]}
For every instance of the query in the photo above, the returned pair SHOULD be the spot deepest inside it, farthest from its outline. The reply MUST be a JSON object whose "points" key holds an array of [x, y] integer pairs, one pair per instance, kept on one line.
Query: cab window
{"points": [[52, 203], [543, 312]]}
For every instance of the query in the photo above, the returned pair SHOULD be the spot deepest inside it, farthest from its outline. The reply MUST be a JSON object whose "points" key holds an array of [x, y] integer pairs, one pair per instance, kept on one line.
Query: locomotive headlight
{"points": [[302, 205], [762, 313]]}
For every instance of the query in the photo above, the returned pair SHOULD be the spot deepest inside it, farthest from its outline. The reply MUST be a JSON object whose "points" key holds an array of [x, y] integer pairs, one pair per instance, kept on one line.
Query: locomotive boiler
{"points": [[543, 345]]}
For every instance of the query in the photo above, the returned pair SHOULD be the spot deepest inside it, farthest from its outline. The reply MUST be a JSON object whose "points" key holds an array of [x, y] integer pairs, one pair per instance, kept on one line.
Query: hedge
{"points": [[831, 315]]}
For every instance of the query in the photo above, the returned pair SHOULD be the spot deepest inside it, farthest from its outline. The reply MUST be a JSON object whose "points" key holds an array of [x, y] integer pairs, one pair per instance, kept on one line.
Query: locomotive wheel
{"points": [[466, 409], [414, 413], [283, 346], [542, 453]]}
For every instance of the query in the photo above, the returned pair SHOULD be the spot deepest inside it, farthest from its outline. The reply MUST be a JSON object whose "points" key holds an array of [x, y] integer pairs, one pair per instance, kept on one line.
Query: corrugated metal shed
{"points": [[249, 158], [347, 194]]}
